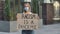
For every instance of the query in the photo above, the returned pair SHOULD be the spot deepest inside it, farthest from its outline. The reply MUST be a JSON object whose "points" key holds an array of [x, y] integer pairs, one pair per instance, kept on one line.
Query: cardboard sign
{"points": [[27, 21]]}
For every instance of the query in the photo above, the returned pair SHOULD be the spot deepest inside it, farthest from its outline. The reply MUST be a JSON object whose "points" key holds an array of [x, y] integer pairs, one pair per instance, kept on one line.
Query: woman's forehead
{"points": [[26, 4]]}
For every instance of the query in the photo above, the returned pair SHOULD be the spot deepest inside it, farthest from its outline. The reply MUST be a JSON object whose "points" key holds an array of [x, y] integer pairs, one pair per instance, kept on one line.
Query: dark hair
{"points": [[25, 11]]}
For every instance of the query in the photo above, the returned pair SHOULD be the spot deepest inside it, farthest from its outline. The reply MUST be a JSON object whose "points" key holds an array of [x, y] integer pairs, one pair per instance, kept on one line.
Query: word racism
{"points": [[27, 21], [29, 16]]}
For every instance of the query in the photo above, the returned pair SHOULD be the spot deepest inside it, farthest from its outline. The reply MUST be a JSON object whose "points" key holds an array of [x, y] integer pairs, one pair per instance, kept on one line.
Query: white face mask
{"points": [[26, 8]]}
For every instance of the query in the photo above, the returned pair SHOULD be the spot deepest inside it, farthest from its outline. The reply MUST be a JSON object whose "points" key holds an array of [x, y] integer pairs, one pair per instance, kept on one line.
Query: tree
{"points": [[7, 10], [35, 6]]}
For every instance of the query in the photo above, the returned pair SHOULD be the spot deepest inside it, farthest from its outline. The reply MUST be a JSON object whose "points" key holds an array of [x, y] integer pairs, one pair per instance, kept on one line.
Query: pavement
{"points": [[49, 29], [45, 29]]}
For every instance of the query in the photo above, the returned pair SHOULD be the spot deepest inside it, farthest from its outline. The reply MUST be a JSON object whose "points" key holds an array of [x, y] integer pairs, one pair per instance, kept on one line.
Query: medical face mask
{"points": [[26, 8]]}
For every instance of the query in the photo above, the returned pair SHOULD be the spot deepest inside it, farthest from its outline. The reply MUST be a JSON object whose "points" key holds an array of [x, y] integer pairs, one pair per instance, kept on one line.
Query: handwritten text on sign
{"points": [[27, 21]]}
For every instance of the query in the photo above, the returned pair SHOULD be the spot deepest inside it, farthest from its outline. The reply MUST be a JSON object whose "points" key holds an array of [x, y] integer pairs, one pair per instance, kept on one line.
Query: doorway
{"points": [[56, 5]]}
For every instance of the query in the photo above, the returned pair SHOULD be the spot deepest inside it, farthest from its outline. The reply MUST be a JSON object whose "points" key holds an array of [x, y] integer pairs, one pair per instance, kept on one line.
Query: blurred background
{"points": [[48, 10]]}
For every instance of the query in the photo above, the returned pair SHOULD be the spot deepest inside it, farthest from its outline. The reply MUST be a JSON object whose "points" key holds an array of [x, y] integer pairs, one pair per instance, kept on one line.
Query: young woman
{"points": [[27, 10]]}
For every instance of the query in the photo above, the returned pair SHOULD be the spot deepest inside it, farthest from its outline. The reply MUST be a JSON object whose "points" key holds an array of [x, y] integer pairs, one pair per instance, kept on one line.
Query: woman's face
{"points": [[26, 6]]}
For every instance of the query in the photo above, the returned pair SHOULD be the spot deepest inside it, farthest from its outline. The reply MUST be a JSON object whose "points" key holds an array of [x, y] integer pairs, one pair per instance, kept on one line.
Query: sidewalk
{"points": [[45, 29], [49, 29]]}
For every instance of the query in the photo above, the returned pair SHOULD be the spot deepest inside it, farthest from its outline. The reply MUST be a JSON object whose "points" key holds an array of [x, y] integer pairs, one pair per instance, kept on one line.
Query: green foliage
{"points": [[35, 6], [10, 12], [7, 9]]}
